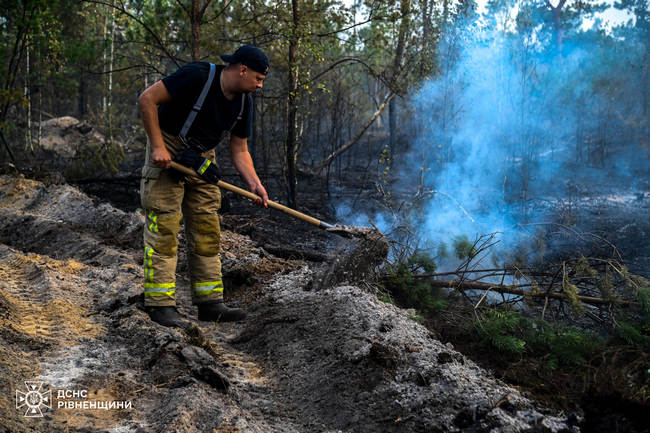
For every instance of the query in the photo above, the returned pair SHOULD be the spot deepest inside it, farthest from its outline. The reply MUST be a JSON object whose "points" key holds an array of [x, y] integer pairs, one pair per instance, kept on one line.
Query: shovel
{"points": [[354, 263], [337, 229]]}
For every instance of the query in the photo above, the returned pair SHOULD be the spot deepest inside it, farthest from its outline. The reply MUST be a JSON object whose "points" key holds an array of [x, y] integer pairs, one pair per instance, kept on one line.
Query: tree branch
{"points": [[205, 6], [11, 155], [187, 11], [325, 162], [333, 32], [349, 59], [122, 10]]}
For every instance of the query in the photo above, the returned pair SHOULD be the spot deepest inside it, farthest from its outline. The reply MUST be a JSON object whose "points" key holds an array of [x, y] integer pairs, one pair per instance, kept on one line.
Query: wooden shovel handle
{"points": [[250, 195]]}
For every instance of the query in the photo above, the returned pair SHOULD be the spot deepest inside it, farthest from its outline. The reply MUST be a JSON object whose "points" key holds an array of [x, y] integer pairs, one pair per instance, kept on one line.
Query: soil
{"points": [[309, 358]]}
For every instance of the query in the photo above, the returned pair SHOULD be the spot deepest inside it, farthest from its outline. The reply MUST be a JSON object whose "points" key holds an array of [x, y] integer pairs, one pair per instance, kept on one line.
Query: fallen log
{"points": [[518, 290], [481, 271]]}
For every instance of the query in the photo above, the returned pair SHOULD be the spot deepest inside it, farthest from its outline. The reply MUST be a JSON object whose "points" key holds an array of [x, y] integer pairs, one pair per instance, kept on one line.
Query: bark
{"points": [[252, 139], [110, 78], [405, 24], [196, 30], [291, 145], [392, 129], [426, 54], [105, 63], [556, 12], [195, 14], [9, 79], [28, 97], [81, 99]]}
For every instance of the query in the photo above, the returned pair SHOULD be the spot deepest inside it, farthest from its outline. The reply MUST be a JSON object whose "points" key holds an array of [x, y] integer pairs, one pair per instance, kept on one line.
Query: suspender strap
{"points": [[199, 103], [241, 111]]}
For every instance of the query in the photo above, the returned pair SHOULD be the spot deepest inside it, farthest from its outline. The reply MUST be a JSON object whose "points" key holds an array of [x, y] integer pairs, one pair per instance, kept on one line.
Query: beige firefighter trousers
{"points": [[167, 197]]}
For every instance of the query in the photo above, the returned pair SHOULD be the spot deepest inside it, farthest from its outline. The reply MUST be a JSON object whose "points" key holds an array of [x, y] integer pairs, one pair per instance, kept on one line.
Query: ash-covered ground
{"points": [[306, 360]]}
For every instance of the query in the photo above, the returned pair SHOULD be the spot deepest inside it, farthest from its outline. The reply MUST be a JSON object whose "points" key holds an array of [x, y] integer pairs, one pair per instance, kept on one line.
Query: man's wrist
{"points": [[157, 146]]}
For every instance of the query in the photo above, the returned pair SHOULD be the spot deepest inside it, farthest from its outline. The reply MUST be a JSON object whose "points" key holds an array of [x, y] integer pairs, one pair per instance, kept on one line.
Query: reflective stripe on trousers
{"points": [[151, 288], [207, 288]]}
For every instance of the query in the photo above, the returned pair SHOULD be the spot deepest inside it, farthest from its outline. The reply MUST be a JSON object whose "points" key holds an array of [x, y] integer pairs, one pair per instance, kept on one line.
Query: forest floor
{"points": [[336, 359], [306, 360]]}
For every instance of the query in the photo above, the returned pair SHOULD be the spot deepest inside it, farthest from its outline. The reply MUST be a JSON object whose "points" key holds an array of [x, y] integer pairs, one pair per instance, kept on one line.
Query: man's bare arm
{"points": [[148, 101], [243, 162]]}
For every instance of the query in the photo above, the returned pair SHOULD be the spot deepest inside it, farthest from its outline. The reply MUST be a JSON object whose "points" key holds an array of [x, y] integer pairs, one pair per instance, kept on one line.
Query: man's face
{"points": [[251, 80]]}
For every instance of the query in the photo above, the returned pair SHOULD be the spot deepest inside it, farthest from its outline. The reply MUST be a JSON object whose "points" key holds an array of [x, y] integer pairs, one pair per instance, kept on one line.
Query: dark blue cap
{"points": [[250, 56]]}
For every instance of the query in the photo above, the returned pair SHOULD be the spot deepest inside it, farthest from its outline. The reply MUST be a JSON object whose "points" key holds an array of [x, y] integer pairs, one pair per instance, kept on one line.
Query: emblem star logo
{"points": [[33, 399]]}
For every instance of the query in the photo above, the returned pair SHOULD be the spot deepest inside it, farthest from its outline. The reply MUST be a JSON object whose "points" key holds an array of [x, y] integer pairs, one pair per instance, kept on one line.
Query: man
{"points": [[168, 196]]}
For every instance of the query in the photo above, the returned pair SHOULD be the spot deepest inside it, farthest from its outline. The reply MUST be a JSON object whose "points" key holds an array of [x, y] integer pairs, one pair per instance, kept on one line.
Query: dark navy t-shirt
{"points": [[217, 115]]}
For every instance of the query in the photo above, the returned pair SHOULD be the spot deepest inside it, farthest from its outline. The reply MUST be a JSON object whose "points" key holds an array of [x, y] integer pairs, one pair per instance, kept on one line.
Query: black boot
{"points": [[166, 316], [220, 312]]}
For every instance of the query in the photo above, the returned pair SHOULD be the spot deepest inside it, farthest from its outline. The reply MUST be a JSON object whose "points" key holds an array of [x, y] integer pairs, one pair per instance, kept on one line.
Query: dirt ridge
{"points": [[329, 360]]}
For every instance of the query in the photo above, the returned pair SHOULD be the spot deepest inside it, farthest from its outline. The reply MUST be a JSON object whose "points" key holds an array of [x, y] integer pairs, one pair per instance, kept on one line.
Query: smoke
{"points": [[508, 131]]}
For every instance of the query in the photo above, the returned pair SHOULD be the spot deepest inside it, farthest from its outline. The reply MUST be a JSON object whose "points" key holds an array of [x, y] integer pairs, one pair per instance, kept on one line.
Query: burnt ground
{"points": [[306, 360]]}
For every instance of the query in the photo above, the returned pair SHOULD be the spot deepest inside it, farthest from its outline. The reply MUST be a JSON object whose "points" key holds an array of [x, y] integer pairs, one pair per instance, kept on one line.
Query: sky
{"points": [[610, 17]]}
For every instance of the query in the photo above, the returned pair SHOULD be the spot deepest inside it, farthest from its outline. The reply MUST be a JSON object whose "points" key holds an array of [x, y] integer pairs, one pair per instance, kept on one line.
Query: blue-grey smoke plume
{"points": [[512, 126]]}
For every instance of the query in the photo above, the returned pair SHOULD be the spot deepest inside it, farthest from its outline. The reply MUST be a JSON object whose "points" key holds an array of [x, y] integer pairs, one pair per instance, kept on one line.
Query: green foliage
{"points": [[421, 261], [583, 268], [633, 333], [411, 292], [443, 251], [634, 328], [464, 248], [385, 298], [560, 345], [94, 159], [511, 334], [643, 296], [500, 330], [571, 292], [417, 318]]}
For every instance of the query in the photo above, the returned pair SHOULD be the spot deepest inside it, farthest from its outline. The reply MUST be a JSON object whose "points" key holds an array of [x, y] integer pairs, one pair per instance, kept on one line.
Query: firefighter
{"points": [[185, 116]]}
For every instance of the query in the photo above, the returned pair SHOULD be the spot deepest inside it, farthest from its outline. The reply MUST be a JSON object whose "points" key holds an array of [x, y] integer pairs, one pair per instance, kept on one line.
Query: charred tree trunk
{"points": [[81, 99], [556, 12], [392, 128], [28, 98], [195, 14], [251, 141], [291, 145], [11, 72], [110, 79], [396, 69], [426, 53], [196, 30]]}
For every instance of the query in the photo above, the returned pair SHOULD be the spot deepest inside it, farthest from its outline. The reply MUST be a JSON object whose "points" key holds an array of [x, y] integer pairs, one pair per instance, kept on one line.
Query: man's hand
{"points": [[203, 166], [161, 157], [260, 191], [149, 101]]}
